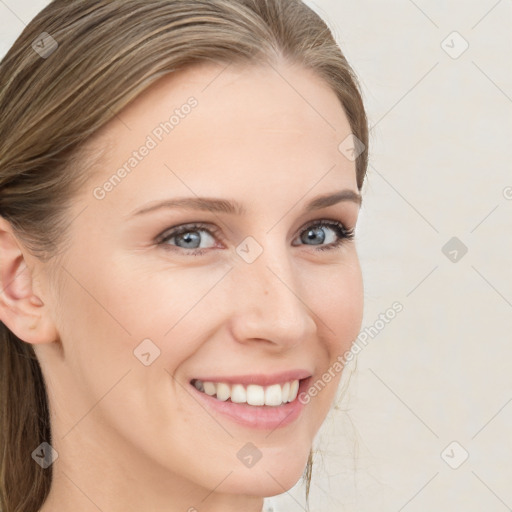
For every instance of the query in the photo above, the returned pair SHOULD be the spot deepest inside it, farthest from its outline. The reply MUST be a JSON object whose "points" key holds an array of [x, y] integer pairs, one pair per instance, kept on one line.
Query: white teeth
{"points": [[294, 388], [223, 391], [255, 395], [286, 392], [238, 394], [273, 395], [209, 388]]}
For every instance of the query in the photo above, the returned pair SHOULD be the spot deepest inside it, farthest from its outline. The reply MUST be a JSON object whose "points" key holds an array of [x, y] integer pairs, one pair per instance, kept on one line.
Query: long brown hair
{"points": [[97, 56]]}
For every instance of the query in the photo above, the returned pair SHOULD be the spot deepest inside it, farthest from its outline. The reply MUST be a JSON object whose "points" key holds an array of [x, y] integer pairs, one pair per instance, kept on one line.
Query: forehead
{"points": [[252, 128], [269, 89]]}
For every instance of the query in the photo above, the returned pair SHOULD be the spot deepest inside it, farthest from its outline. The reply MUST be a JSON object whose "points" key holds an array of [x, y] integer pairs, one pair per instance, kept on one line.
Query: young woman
{"points": [[179, 186]]}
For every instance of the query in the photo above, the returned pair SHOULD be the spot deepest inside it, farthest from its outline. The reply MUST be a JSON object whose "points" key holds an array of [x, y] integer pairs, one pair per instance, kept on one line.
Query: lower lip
{"points": [[262, 417]]}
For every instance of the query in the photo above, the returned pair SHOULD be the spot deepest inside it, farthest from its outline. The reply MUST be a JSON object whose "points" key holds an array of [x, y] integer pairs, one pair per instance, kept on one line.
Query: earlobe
{"points": [[23, 312]]}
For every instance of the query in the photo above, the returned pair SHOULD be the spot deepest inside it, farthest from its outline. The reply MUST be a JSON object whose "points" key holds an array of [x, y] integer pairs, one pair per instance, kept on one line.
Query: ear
{"points": [[23, 312]]}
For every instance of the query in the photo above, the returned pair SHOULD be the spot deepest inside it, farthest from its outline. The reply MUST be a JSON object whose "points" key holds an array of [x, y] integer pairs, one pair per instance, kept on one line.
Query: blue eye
{"points": [[315, 232], [188, 237]]}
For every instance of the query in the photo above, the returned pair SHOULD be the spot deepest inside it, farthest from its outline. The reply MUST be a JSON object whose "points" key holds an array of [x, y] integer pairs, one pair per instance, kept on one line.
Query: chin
{"points": [[267, 480]]}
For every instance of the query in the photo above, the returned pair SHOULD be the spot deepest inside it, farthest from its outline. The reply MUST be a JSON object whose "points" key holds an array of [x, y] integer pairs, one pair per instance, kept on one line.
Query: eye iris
{"points": [[189, 236], [316, 235]]}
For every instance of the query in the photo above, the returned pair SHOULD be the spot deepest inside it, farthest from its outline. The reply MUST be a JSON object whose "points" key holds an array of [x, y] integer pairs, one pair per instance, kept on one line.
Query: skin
{"points": [[132, 437]]}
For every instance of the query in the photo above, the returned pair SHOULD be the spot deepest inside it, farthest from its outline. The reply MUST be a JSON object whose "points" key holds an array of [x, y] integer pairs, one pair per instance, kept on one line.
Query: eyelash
{"points": [[343, 233]]}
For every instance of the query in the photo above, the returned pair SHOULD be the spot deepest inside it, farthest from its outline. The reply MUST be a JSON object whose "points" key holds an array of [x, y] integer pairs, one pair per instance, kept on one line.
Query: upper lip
{"points": [[259, 379]]}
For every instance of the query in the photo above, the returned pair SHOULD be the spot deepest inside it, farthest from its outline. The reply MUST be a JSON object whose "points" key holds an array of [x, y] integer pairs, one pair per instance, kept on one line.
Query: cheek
{"points": [[338, 303], [345, 307], [136, 314], [339, 308]]}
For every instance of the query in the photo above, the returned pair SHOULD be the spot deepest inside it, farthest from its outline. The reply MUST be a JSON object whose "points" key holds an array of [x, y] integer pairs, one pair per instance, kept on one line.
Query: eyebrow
{"points": [[232, 207]]}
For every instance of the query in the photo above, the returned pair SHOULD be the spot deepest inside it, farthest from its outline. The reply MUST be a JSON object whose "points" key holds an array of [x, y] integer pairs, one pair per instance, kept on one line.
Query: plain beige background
{"points": [[426, 422]]}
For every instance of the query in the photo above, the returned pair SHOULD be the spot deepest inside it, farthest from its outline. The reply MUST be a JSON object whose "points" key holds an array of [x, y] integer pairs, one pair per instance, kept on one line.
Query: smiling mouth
{"points": [[252, 394]]}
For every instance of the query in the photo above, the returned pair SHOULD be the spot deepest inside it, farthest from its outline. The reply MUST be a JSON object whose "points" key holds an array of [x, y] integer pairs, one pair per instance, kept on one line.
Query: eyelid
{"points": [[189, 226]]}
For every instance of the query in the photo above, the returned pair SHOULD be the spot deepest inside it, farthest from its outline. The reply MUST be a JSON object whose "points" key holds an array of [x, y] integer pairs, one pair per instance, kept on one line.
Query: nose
{"points": [[268, 302]]}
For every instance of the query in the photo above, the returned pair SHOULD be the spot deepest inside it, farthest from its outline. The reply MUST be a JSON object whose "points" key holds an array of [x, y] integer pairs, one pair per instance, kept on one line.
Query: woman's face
{"points": [[140, 313]]}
